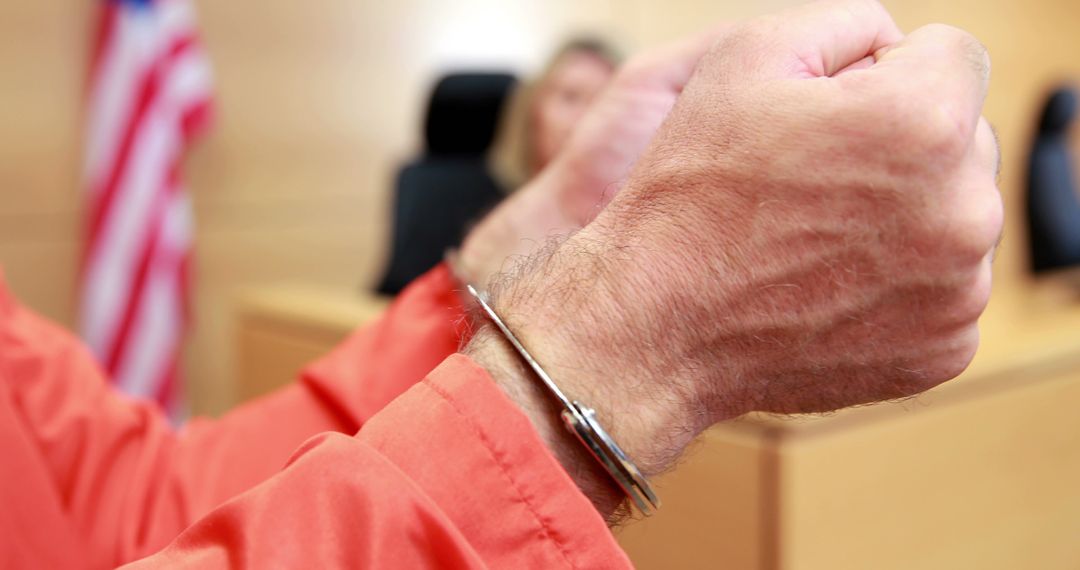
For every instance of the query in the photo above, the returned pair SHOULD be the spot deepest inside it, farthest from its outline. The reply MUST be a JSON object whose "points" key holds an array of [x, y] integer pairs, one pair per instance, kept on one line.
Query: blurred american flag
{"points": [[150, 94]]}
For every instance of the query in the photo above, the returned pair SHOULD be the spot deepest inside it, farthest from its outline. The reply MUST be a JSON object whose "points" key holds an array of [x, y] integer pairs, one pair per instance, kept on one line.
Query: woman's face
{"points": [[561, 100]]}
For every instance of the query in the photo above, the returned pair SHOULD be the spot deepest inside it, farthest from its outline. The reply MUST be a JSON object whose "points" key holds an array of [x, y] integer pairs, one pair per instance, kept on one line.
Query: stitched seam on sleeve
{"points": [[561, 548]]}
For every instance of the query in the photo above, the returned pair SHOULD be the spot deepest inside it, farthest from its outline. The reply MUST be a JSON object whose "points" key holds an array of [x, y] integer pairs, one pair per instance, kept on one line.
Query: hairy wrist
{"points": [[565, 305]]}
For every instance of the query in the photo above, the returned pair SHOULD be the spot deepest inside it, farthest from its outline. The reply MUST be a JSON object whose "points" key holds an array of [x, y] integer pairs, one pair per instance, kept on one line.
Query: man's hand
{"points": [[811, 228], [593, 165]]}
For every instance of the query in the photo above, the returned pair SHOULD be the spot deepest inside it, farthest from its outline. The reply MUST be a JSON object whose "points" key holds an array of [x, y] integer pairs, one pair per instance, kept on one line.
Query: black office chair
{"points": [[437, 195], [1053, 206]]}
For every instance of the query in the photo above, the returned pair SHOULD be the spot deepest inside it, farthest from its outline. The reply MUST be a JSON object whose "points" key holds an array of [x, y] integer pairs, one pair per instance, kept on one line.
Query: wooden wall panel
{"points": [[42, 56]]}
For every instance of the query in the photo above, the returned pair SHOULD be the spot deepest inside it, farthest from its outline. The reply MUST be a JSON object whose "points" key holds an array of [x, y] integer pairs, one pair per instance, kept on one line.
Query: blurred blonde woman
{"points": [[543, 112]]}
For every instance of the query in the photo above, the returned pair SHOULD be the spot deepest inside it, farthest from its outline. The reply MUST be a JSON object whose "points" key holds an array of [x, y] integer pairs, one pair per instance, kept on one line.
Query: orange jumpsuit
{"points": [[445, 472]]}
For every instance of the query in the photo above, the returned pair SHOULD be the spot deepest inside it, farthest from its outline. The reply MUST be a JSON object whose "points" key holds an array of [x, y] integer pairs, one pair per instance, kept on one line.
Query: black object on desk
{"points": [[1053, 204]]}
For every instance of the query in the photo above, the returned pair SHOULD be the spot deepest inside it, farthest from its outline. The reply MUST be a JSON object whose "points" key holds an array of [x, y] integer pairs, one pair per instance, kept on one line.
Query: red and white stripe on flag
{"points": [[150, 94]]}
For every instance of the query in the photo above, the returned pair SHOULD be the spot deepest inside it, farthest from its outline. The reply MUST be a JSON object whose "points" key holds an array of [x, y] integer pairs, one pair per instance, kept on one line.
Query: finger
{"points": [[864, 63], [947, 63], [981, 197], [987, 147], [671, 65], [974, 295], [983, 165], [820, 39], [978, 216]]}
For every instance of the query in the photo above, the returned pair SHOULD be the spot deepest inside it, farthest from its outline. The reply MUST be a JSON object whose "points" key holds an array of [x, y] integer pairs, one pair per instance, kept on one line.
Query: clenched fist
{"points": [[811, 228]]}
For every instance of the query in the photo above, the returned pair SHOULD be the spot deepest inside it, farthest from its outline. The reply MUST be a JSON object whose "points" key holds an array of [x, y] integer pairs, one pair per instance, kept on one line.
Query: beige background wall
{"points": [[319, 102]]}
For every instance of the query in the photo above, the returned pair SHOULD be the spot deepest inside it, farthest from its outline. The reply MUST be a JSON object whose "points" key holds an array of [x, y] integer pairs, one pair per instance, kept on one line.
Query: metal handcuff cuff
{"points": [[581, 421]]}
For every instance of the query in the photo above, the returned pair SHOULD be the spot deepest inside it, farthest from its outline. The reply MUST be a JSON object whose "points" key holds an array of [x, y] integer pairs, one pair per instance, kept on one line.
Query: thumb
{"points": [[814, 40], [670, 66]]}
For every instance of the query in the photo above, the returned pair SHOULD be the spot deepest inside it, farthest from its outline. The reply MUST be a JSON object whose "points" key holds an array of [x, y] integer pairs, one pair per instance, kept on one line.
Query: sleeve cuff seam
{"points": [[547, 532]]}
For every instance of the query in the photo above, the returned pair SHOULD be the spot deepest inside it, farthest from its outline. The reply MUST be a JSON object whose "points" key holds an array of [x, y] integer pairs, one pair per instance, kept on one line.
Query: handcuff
{"points": [[581, 421]]}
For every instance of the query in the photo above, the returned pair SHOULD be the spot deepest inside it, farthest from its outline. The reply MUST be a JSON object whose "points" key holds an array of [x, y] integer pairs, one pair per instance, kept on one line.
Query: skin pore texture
{"points": [[799, 219]]}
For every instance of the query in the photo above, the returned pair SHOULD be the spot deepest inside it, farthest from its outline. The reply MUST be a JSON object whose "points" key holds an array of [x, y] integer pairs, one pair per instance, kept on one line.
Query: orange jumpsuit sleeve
{"points": [[123, 483], [450, 475]]}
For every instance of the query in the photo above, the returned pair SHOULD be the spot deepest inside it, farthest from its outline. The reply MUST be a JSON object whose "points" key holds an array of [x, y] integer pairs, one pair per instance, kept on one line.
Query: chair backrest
{"points": [[450, 185], [1053, 205]]}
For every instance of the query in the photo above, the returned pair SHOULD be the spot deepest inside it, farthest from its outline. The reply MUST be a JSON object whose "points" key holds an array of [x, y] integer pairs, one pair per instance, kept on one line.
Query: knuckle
{"points": [[963, 353], [963, 47], [993, 223], [942, 129], [939, 107], [972, 298], [988, 148], [979, 296], [940, 31], [976, 227], [957, 356], [945, 35], [926, 126]]}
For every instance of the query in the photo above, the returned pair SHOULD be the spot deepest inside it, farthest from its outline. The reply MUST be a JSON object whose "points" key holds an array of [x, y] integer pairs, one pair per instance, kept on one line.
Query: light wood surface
{"points": [[282, 328], [985, 482], [718, 507]]}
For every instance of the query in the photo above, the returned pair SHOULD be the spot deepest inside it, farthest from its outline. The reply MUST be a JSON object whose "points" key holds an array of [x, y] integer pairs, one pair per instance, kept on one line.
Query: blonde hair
{"points": [[512, 155]]}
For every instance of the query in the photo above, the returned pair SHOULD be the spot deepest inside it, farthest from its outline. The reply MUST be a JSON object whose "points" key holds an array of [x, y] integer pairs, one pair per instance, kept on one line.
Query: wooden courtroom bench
{"points": [[982, 472]]}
